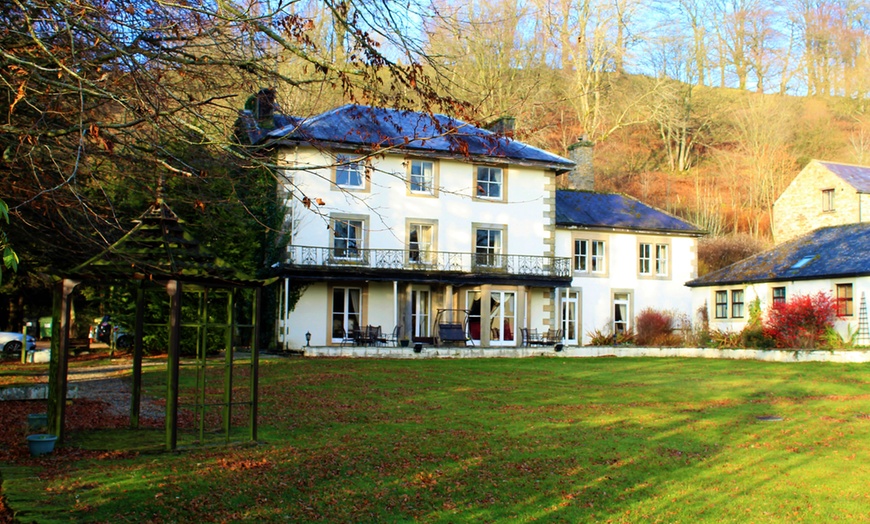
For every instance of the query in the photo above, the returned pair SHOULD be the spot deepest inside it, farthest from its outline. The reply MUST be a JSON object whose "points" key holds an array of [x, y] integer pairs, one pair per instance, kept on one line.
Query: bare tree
{"points": [[104, 99]]}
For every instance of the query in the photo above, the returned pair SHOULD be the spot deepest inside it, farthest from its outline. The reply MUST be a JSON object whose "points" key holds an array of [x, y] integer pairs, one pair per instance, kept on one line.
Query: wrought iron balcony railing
{"points": [[411, 259]]}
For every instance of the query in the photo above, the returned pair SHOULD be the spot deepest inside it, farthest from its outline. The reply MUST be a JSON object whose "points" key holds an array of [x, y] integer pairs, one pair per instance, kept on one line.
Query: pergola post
{"points": [[138, 333], [174, 289], [57, 372], [228, 364], [255, 359]]}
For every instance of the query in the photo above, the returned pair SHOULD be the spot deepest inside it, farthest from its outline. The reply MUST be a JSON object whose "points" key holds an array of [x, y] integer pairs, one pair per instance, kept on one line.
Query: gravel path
{"points": [[111, 384]]}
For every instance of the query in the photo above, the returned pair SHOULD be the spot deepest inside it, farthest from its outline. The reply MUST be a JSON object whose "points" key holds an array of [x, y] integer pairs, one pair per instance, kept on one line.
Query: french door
{"points": [[421, 306], [346, 311], [571, 316]]}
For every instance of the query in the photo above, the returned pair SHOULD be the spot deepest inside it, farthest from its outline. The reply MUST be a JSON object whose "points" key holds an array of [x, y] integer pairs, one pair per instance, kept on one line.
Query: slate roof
{"points": [[830, 252], [614, 211], [377, 128], [856, 176]]}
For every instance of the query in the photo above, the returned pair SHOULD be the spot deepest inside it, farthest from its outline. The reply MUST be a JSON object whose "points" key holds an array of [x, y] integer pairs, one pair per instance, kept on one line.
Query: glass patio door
{"points": [[571, 316], [502, 317], [420, 312], [346, 311]]}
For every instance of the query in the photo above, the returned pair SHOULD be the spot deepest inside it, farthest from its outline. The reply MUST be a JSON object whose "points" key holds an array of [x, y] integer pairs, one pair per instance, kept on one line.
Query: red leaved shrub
{"points": [[655, 328], [802, 321]]}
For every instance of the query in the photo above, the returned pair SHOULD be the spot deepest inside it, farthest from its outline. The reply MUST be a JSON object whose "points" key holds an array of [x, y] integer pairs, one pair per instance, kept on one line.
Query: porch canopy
{"points": [[157, 252]]}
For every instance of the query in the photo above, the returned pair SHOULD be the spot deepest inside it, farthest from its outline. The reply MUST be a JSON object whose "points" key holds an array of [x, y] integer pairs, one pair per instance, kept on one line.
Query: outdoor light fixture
{"points": [[308, 339]]}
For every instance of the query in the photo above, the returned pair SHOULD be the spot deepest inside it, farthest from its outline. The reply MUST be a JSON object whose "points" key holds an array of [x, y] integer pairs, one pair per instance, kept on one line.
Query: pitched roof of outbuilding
{"points": [[614, 211], [830, 252], [376, 128], [856, 176]]}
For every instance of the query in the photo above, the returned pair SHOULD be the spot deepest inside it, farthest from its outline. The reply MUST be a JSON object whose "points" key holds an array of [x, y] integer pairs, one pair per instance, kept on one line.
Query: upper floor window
{"points": [[488, 247], [420, 243], [490, 182], [349, 173], [645, 259], [347, 237], [844, 300], [661, 260], [827, 199], [422, 177], [778, 295], [589, 256]]}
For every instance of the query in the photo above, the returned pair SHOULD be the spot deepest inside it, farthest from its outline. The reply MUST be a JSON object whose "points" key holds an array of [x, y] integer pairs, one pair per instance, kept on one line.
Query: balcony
{"points": [[386, 262]]}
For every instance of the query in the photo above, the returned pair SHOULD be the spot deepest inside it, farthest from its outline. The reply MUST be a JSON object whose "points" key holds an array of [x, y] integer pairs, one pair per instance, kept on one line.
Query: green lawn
{"points": [[495, 440]]}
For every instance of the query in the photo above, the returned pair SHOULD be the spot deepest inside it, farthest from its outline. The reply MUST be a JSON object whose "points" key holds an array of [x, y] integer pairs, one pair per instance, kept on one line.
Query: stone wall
{"points": [[799, 209], [767, 355]]}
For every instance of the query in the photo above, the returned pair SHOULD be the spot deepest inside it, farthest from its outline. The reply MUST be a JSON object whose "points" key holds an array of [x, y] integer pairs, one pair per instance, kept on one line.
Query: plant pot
{"points": [[404, 343], [37, 421], [41, 444]]}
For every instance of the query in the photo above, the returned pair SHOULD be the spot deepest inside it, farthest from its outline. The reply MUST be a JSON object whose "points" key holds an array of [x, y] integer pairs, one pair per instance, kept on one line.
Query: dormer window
{"points": [[827, 200]]}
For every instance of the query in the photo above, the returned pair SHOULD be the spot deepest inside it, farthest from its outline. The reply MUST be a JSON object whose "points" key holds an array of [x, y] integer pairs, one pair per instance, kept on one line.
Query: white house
{"points": [[625, 257], [830, 259], [404, 220]]}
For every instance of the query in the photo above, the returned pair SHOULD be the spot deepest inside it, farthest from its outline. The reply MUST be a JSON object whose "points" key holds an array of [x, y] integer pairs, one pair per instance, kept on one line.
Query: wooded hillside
{"points": [[706, 108]]}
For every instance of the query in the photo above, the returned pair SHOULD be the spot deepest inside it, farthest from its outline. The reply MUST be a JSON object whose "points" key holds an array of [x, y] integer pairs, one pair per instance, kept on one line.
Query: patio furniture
{"points": [[393, 338], [451, 333]]}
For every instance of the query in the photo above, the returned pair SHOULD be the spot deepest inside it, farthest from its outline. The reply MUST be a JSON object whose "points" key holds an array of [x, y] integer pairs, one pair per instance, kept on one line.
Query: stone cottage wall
{"points": [[799, 209]]}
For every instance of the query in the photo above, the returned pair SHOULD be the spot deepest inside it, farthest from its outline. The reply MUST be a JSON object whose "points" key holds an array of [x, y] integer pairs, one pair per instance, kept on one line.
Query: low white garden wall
{"points": [[769, 355]]}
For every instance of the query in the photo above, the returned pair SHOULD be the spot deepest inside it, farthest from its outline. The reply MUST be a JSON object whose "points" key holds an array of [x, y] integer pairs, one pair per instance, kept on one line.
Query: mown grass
{"points": [[495, 440]]}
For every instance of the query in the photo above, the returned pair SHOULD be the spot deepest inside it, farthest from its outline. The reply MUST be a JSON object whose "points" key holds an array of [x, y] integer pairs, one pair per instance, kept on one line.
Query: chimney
{"points": [[503, 126], [581, 177], [262, 105]]}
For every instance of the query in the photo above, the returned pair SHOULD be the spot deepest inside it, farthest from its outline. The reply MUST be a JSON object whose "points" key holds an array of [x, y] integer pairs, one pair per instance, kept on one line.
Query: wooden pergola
{"points": [[157, 252]]}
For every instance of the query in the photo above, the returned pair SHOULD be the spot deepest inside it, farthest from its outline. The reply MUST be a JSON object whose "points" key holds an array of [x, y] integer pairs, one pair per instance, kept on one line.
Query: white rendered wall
{"points": [[387, 204], [622, 275], [702, 296]]}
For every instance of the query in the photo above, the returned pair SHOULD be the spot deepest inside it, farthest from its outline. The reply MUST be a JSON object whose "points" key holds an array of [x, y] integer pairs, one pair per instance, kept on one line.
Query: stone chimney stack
{"points": [[503, 126], [581, 177]]}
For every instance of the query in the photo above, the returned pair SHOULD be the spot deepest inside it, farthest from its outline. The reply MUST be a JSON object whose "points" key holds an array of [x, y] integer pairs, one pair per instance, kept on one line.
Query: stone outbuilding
{"points": [[823, 194]]}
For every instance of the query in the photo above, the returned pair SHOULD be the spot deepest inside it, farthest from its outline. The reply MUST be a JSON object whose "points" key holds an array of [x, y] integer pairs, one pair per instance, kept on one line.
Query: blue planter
{"points": [[41, 444]]}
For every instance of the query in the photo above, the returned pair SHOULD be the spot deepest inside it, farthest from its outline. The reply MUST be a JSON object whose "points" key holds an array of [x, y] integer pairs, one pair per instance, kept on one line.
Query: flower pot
{"points": [[37, 421], [41, 444], [404, 343]]}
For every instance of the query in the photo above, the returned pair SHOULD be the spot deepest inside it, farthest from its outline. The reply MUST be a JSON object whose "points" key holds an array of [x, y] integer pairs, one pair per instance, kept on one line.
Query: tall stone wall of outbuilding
{"points": [[800, 208]]}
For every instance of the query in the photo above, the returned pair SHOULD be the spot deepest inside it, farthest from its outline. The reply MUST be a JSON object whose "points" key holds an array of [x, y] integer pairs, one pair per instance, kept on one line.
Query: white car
{"points": [[10, 342]]}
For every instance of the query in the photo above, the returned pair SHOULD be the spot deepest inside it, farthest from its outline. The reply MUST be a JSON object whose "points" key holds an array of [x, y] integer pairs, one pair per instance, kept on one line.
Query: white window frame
{"points": [[422, 177], [346, 169], [355, 245], [494, 177], [661, 260], [590, 256], [492, 254], [424, 252], [828, 200], [645, 258]]}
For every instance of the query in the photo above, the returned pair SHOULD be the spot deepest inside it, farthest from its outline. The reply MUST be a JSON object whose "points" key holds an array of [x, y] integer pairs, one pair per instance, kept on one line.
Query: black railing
{"points": [[429, 261]]}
